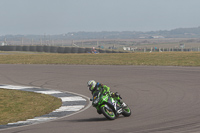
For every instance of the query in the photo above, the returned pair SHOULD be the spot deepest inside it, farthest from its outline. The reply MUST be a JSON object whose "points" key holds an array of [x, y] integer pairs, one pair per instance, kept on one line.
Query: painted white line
{"points": [[34, 120], [42, 118], [19, 122], [69, 108], [65, 109], [48, 92], [75, 98], [12, 87]]}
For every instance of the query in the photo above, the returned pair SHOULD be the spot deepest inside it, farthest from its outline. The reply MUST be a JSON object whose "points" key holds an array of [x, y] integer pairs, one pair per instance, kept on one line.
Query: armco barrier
{"points": [[74, 50], [81, 50], [121, 52], [57, 49], [12, 48], [88, 50], [115, 51], [61, 49], [26, 48], [19, 48], [67, 50], [8, 48], [53, 49], [33, 48], [108, 51], [102, 51], [40, 48], [46, 49]]}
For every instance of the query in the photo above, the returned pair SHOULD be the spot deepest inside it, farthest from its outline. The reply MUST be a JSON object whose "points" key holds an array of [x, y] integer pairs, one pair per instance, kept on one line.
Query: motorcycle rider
{"points": [[94, 86]]}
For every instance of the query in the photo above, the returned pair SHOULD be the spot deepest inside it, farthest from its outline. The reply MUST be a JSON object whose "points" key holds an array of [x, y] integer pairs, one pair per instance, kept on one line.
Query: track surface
{"points": [[162, 99]]}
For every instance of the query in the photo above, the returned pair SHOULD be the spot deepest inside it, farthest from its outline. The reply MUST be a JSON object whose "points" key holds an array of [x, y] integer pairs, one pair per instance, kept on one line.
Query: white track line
{"points": [[71, 108], [74, 98], [12, 87], [49, 92]]}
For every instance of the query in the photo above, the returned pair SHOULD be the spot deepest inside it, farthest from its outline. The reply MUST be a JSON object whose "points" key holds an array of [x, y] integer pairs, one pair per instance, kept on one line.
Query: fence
{"points": [[54, 49], [60, 49], [161, 49]]}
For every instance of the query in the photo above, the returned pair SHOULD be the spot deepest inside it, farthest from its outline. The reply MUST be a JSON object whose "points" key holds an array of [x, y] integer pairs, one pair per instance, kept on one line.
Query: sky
{"points": [[64, 16]]}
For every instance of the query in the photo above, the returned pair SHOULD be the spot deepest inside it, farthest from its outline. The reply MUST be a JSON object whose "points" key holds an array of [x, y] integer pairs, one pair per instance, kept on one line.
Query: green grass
{"points": [[153, 59], [18, 105]]}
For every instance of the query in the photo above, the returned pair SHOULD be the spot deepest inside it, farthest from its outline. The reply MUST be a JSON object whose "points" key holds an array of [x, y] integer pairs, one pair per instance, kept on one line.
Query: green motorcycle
{"points": [[108, 106]]}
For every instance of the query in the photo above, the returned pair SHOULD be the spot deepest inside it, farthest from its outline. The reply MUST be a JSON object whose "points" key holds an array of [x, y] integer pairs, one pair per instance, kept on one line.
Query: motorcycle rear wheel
{"points": [[108, 113]]}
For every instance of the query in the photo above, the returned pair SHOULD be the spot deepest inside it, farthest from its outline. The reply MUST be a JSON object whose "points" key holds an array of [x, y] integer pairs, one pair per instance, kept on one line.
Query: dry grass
{"points": [[161, 59], [18, 105]]}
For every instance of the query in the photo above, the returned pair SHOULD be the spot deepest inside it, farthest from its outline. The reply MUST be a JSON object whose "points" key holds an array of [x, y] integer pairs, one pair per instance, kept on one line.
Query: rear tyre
{"points": [[108, 112]]}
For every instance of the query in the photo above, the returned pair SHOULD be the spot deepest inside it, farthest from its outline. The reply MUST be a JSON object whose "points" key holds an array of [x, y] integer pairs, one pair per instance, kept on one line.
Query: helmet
{"points": [[91, 84]]}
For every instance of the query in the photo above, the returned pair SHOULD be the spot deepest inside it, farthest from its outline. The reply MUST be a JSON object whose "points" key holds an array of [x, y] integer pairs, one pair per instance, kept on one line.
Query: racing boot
{"points": [[124, 105]]}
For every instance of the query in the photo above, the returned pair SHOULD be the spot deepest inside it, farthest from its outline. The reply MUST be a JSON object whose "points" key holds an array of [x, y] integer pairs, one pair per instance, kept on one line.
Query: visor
{"points": [[89, 87]]}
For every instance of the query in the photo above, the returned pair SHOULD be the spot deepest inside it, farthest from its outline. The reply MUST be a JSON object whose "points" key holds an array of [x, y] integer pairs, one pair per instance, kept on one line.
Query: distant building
{"points": [[182, 45], [3, 44], [157, 37], [127, 48]]}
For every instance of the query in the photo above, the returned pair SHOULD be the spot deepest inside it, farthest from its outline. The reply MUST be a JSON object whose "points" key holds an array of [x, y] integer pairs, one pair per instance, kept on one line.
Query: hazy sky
{"points": [[63, 16]]}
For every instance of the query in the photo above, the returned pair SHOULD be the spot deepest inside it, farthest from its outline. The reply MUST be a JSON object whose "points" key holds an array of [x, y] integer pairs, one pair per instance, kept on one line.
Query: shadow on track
{"points": [[92, 119], [89, 120]]}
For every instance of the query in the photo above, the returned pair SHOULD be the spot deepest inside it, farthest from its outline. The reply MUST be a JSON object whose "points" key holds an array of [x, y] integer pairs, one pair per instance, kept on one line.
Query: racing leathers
{"points": [[105, 89]]}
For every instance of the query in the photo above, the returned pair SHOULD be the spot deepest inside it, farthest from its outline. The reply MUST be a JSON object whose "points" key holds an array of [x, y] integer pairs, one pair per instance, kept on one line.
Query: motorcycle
{"points": [[108, 106]]}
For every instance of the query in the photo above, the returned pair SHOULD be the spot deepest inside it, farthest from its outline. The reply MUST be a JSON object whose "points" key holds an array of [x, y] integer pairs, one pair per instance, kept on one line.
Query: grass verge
{"points": [[153, 59], [18, 105]]}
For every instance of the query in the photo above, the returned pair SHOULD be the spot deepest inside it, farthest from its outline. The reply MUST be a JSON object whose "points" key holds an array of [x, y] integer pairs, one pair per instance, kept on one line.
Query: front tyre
{"points": [[126, 111], [108, 112]]}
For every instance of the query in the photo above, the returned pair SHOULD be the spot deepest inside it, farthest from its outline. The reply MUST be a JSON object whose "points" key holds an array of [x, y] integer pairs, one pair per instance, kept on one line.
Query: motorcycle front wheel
{"points": [[108, 112], [126, 111]]}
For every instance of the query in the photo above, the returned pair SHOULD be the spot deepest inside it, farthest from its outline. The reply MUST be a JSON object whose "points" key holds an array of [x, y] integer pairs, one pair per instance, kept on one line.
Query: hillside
{"points": [[175, 33]]}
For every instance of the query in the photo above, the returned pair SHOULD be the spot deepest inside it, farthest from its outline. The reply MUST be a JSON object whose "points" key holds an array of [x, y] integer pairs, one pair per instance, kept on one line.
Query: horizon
{"points": [[95, 31]]}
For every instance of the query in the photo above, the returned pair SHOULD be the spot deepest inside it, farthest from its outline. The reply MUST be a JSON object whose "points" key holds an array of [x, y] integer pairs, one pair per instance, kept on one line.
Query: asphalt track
{"points": [[162, 99]]}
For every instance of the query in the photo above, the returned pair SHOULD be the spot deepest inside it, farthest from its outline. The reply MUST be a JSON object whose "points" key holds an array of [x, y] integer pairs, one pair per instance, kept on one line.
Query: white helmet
{"points": [[91, 84]]}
